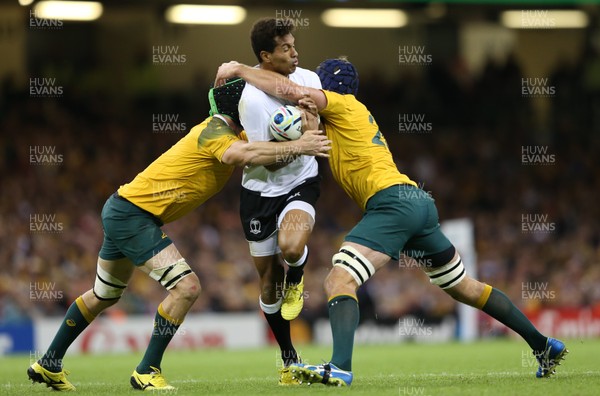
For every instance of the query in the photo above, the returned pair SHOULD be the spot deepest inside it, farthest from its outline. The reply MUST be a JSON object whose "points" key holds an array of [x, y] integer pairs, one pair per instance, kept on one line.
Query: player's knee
{"points": [[188, 288], [467, 291], [339, 281], [292, 247]]}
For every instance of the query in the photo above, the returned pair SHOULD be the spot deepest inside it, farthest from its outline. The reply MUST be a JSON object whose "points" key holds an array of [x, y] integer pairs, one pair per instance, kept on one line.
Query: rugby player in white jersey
{"points": [[277, 203]]}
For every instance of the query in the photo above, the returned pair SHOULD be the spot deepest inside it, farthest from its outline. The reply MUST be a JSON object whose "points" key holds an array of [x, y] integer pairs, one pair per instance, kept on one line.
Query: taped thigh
{"points": [[355, 263], [448, 275], [106, 286], [170, 275]]}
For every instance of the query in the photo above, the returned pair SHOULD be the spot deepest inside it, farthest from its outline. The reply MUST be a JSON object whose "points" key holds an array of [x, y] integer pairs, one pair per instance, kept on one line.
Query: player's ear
{"points": [[265, 56]]}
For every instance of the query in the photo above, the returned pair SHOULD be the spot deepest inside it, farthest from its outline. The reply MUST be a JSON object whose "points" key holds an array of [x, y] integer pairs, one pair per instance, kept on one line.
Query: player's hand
{"points": [[308, 104], [226, 71], [309, 120], [314, 142]]}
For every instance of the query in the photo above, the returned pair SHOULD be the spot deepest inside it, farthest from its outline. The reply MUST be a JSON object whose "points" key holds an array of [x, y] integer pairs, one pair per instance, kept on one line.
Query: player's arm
{"points": [[270, 82], [242, 153]]}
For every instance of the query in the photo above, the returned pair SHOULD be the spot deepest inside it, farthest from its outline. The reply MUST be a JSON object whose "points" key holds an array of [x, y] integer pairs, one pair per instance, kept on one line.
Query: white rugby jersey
{"points": [[255, 110]]}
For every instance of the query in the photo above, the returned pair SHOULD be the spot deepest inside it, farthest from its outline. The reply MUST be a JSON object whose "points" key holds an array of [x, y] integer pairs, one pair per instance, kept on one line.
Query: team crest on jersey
{"points": [[255, 227]]}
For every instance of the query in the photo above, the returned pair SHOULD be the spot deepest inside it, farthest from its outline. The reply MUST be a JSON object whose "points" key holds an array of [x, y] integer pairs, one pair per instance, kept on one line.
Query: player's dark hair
{"points": [[265, 30]]}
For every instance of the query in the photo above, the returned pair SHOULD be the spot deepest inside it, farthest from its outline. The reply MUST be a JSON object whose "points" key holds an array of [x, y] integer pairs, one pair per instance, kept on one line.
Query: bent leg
{"points": [[352, 267], [170, 269], [491, 301], [85, 309], [294, 231]]}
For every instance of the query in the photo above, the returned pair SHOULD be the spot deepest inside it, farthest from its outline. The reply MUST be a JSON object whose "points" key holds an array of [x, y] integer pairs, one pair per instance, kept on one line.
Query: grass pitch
{"points": [[482, 368]]}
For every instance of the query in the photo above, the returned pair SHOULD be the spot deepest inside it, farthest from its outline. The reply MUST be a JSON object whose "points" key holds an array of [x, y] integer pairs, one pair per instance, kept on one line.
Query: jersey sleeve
{"points": [[216, 138], [336, 105]]}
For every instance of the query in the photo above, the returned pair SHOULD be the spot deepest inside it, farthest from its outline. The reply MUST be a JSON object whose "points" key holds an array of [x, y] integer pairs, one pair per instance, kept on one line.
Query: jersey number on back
{"points": [[378, 138]]}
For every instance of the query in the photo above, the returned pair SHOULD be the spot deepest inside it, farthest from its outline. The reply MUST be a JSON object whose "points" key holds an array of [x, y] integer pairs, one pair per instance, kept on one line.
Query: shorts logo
{"points": [[293, 196], [71, 323], [255, 227], [163, 236]]}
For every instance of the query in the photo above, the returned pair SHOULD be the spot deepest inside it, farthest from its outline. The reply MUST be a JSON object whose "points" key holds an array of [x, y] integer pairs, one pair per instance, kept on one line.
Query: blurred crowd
{"points": [[469, 159]]}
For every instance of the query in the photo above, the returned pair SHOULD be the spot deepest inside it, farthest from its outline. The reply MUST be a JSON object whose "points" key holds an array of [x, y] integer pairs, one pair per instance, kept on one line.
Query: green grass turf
{"points": [[482, 368]]}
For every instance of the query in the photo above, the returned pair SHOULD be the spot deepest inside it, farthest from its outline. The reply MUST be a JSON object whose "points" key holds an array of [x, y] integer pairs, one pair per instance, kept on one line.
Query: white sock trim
{"points": [[270, 308]]}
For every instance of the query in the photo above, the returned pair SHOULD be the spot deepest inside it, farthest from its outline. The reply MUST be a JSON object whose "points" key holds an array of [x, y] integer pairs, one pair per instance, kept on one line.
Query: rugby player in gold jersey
{"points": [[181, 179], [398, 218]]}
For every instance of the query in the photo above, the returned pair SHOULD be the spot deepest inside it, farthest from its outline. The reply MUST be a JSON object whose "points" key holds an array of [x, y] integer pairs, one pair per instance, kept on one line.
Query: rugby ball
{"points": [[286, 123]]}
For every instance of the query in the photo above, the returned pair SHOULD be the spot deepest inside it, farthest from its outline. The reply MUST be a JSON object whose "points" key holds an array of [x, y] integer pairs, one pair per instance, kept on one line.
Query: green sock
{"points": [[165, 328], [499, 307], [76, 320], [343, 316]]}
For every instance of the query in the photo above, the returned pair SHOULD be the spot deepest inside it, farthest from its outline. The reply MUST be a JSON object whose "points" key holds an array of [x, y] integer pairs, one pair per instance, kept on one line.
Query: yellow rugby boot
{"points": [[286, 378], [150, 382], [293, 300], [57, 381]]}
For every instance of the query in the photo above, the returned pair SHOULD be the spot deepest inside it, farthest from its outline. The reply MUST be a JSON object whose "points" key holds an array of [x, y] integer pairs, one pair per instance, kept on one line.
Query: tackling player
{"points": [[398, 217], [277, 203], [180, 180]]}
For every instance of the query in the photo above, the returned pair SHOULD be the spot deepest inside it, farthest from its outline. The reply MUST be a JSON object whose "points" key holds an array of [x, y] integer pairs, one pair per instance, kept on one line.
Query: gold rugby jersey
{"points": [[360, 160], [186, 175]]}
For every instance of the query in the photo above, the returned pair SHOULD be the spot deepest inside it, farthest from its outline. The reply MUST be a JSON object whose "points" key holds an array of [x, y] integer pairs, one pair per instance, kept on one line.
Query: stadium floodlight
{"points": [[544, 19], [364, 18], [68, 10], [25, 3], [205, 14]]}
